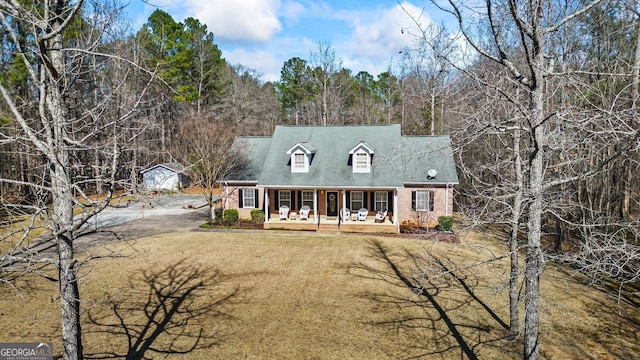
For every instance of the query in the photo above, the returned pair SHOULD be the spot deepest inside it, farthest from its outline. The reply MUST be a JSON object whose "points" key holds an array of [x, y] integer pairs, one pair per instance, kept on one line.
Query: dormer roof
{"points": [[362, 145], [306, 147]]}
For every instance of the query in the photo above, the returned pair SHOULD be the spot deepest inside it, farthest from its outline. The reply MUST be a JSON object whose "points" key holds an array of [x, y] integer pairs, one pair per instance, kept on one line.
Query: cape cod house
{"points": [[344, 178]]}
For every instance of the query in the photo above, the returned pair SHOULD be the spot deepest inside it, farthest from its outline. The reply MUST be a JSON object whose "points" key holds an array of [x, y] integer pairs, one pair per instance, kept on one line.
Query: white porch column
{"points": [[395, 207], [446, 199], [315, 206], [266, 205], [344, 201]]}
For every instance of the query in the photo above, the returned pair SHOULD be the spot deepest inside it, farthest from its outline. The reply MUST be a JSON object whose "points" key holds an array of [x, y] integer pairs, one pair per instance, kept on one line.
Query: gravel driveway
{"points": [[151, 206], [150, 216]]}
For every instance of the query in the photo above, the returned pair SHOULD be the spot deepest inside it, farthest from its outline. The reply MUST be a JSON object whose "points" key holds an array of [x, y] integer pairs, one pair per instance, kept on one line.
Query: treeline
{"points": [[173, 72]]}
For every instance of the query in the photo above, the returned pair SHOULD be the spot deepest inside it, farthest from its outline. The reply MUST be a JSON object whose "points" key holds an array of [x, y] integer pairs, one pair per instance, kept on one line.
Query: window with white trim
{"points": [[361, 163], [381, 201], [423, 200], [357, 200], [299, 162], [307, 198], [284, 198], [249, 198]]}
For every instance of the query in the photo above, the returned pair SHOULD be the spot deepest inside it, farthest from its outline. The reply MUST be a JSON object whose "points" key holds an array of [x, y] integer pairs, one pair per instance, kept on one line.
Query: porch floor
{"points": [[332, 224]]}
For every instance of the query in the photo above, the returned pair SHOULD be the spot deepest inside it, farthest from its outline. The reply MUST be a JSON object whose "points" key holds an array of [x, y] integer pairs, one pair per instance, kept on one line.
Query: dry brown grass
{"points": [[265, 295]]}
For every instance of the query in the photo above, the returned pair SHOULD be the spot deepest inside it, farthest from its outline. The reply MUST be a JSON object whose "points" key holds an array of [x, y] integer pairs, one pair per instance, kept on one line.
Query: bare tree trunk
{"points": [[324, 101], [514, 271], [635, 81], [58, 155], [534, 260], [627, 165], [212, 207], [433, 112], [390, 105]]}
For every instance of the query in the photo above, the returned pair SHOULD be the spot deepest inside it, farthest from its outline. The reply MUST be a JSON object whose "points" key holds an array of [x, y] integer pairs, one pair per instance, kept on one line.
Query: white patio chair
{"points": [[284, 212], [344, 214], [304, 212], [381, 215], [362, 214]]}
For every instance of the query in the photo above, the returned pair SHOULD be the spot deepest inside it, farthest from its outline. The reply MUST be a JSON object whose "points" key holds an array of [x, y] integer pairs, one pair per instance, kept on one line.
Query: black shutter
{"points": [[432, 195], [348, 204], [299, 199], [240, 198], [389, 201], [276, 201], [413, 200], [372, 204], [365, 196], [257, 202]]}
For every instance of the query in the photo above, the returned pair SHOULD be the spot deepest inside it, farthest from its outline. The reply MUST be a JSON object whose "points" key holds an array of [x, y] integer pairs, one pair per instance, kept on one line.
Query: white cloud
{"points": [[264, 62], [243, 20], [291, 10], [378, 37]]}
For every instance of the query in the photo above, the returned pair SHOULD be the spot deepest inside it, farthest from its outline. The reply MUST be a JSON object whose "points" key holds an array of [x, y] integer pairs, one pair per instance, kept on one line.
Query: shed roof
{"points": [[173, 166]]}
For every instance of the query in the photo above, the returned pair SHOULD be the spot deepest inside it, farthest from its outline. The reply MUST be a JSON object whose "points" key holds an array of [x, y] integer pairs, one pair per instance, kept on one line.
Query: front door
{"points": [[332, 203]]}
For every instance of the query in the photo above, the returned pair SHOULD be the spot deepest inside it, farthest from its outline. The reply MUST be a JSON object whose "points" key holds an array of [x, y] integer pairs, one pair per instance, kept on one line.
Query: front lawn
{"points": [[275, 295]]}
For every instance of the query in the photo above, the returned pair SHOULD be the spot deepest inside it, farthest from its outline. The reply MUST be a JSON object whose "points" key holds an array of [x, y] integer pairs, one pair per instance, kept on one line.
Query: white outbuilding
{"points": [[166, 176]]}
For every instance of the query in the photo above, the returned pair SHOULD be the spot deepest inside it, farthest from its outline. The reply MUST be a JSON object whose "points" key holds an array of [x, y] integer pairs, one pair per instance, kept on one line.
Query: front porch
{"points": [[332, 224]]}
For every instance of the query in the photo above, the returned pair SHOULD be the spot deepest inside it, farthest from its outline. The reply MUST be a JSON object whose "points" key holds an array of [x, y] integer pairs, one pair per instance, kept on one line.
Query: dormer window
{"points": [[361, 163], [301, 156], [299, 162], [361, 156]]}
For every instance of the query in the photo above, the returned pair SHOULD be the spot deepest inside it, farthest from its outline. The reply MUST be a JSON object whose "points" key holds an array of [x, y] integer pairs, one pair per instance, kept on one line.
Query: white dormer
{"points": [[361, 156], [301, 155]]}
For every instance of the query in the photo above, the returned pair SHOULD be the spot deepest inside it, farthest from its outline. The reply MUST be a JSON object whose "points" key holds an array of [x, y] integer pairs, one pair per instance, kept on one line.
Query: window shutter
{"points": [[413, 200], [365, 196], [348, 204], [240, 196], [390, 201], [432, 194], [372, 203], [257, 203], [277, 198], [299, 195]]}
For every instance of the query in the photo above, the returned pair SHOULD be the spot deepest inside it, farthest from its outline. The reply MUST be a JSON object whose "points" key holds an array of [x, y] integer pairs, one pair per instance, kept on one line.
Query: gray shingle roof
{"points": [[254, 149], [177, 167], [397, 160]]}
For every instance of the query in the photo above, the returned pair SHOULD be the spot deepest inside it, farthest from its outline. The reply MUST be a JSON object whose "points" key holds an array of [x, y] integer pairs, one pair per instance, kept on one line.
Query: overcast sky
{"points": [[263, 34]]}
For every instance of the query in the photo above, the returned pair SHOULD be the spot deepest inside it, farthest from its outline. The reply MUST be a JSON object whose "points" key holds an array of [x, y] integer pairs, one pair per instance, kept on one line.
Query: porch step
{"points": [[329, 228]]}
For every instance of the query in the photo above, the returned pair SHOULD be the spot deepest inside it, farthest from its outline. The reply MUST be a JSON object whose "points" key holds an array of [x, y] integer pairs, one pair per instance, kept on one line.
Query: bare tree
{"points": [[205, 146], [428, 74], [326, 64], [247, 103], [520, 38], [58, 50]]}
